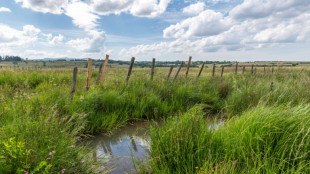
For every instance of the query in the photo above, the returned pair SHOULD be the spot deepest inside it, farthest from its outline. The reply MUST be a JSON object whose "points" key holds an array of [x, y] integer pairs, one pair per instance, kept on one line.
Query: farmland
{"points": [[265, 116]]}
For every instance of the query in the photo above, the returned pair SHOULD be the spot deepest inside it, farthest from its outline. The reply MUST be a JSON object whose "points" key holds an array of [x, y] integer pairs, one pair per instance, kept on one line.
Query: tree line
{"points": [[10, 58]]}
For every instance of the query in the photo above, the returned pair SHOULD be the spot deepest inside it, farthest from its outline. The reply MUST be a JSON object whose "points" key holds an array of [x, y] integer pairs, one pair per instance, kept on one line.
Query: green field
{"points": [[265, 115]]}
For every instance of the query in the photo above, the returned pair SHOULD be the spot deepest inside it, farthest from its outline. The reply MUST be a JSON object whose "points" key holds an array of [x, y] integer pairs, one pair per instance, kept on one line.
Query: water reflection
{"points": [[118, 148]]}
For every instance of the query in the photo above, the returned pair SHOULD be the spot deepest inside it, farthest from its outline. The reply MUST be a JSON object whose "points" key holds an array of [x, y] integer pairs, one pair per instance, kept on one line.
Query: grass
{"points": [[261, 140], [37, 117]]}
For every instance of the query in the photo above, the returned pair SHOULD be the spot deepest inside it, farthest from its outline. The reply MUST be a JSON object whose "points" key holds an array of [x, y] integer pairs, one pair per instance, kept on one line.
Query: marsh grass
{"points": [[37, 116], [262, 140]]}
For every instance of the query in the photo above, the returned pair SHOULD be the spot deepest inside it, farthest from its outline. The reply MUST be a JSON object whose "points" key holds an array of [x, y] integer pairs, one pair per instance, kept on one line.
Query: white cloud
{"points": [[45, 6], [94, 43], [254, 9], [85, 15], [150, 8], [140, 8], [206, 23], [194, 8], [56, 40], [82, 15], [4, 9], [106, 7], [211, 31], [10, 37]]}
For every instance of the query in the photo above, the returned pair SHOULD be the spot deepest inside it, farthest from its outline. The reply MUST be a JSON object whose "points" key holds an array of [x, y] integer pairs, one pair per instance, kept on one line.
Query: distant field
{"points": [[124, 64]]}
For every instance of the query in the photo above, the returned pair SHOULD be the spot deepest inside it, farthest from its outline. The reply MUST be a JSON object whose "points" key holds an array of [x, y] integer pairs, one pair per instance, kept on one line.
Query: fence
{"points": [[103, 67]]}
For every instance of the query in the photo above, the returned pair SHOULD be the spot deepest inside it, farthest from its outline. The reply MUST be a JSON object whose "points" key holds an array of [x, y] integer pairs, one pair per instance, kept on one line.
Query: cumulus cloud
{"points": [[93, 43], [194, 9], [55, 40], [242, 29], [4, 9], [150, 8], [206, 23], [10, 37], [106, 7], [254, 9], [46, 6], [85, 15], [82, 15], [140, 8]]}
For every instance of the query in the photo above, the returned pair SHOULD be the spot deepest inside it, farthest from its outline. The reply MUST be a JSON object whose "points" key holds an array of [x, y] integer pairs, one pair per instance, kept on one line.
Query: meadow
{"points": [[266, 119]]}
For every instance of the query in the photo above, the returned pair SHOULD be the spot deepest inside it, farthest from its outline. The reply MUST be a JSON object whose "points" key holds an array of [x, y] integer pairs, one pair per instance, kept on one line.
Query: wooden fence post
{"points": [[202, 66], [177, 73], [104, 68], [88, 74], [213, 70], [99, 73], [236, 71], [264, 69], [130, 68], [252, 70], [272, 70], [243, 70], [171, 68], [152, 70], [188, 65], [75, 70], [222, 70]]}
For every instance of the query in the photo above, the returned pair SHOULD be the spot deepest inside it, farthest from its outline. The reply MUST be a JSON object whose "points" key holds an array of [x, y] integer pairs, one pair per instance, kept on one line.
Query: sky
{"points": [[231, 30]]}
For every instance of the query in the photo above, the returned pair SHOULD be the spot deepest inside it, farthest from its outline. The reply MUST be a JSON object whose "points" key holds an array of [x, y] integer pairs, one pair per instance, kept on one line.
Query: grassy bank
{"points": [[261, 140]]}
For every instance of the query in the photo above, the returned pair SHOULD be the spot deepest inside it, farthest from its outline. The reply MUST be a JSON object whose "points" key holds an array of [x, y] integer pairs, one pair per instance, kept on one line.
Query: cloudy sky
{"points": [[238, 30]]}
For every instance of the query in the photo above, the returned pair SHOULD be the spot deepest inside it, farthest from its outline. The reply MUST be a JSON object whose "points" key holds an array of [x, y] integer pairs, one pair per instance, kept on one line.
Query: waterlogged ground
{"points": [[120, 149], [126, 148]]}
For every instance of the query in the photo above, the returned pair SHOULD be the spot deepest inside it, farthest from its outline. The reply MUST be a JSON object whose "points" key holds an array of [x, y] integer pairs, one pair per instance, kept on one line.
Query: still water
{"points": [[117, 150]]}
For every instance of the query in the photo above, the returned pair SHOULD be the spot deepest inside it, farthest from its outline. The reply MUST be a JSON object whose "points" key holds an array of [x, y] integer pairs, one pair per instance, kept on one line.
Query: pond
{"points": [[120, 149]]}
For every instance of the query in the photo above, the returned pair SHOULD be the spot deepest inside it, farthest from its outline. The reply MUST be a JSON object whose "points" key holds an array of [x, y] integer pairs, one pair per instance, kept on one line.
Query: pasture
{"points": [[265, 116]]}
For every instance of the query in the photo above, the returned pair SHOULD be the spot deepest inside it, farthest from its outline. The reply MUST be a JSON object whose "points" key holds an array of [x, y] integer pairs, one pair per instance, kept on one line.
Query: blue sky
{"points": [[242, 30]]}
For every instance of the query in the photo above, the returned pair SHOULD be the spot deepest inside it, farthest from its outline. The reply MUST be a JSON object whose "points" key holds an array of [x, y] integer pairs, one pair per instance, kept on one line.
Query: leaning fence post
{"points": [[99, 73], [75, 70], [171, 68], [177, 73], [213, 70], [188, 65], [153, 67], [252, 70], [202, 66], [130, 68], [89, 74], [236, 71], [222, 71], [104, 68], [243, 70]]}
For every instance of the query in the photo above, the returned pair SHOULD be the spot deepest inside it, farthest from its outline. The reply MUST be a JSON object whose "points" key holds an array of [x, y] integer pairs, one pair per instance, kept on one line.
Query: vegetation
{"points": [[10, 58], [266, 119], [261, 140]]}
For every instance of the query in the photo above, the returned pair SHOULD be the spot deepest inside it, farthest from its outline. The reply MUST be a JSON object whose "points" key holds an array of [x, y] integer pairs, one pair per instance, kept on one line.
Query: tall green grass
{"points": [[262, 140], [37, 116]]}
